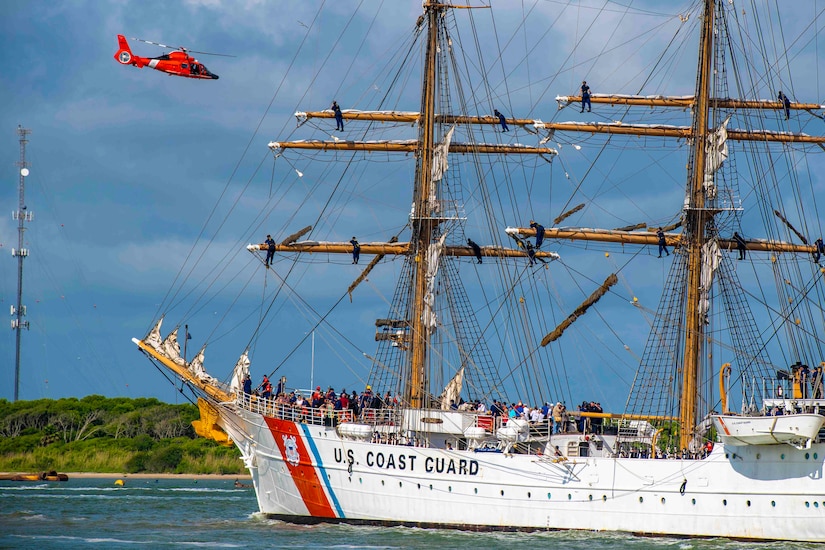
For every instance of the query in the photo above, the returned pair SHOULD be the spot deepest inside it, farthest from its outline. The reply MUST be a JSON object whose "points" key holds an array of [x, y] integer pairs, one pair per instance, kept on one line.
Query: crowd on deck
{"points": [[334, 406]]}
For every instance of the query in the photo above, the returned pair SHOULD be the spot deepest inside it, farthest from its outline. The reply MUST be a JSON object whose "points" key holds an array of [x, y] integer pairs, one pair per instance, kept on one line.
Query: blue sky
{"points": [[127, 165]]}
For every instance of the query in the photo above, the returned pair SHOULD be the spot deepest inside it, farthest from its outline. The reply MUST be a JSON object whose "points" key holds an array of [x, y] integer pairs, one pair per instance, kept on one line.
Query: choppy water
{"points": [[149, 513]]}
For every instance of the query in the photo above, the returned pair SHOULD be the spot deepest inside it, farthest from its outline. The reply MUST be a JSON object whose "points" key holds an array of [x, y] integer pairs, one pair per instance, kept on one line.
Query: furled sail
{"points": [[171, 347], [433, 257], [717, 153], [711, 256], [196, 367], [239, 372], [579, 311], [453, 390], [440, 156]]}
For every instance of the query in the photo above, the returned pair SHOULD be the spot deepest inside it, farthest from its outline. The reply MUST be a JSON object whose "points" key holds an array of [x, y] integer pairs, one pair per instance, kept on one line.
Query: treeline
{"points": [[108, 435]]}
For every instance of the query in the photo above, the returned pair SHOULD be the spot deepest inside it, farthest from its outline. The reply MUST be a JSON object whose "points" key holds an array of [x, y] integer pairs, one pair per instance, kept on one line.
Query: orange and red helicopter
{"points": [[175, 63]]}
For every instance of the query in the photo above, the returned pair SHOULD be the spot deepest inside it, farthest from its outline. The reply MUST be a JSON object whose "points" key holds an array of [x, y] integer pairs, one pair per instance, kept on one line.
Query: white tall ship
{"points": [[677, 460]]}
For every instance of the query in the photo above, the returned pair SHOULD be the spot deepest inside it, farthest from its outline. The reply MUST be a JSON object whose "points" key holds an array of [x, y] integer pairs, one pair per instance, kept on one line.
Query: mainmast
{"points": [[18, 323], [696, 219], [424, 223]]}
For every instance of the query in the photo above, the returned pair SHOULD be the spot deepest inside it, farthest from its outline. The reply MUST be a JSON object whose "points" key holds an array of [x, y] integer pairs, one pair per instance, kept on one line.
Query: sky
{"points": [[127, 165]]}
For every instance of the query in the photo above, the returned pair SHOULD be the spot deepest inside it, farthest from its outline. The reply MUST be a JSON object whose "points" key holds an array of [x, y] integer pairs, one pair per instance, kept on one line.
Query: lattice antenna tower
{"points": [[22, 215]]}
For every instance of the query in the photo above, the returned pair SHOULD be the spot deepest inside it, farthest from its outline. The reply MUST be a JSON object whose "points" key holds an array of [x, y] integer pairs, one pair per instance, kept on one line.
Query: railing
{"points": [[318, 416]]}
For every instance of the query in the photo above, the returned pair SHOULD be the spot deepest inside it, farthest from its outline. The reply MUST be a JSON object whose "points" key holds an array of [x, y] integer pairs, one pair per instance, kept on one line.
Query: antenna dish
{"points": [[24, 172]]}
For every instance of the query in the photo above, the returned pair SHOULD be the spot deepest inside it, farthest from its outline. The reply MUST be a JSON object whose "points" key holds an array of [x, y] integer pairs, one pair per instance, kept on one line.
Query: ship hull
{"points": [[309, 474]]}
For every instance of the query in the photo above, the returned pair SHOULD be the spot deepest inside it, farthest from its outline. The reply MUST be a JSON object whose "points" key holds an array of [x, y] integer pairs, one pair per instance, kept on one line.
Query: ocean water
{"points": [[212, 513]]}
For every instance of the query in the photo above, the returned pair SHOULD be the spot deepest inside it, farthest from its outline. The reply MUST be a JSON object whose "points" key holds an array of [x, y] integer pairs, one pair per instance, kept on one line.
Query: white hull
{"points": [[300, 473]]}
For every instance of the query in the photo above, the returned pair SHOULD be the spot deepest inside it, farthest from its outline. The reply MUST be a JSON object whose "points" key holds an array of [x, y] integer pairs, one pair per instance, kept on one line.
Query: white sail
{"points": [[240, 372], [433, 256], [452, 391], [711, 256]]}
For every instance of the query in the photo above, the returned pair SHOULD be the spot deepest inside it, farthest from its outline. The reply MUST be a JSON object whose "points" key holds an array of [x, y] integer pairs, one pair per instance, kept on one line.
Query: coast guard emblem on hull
{"points": [[291, 448]]}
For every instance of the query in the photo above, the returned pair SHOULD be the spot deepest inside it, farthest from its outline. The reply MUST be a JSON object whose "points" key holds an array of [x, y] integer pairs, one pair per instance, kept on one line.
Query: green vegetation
{"points": [[103, 435]]}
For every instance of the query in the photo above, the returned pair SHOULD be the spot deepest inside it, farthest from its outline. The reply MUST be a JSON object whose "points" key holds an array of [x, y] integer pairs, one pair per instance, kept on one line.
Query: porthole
{"points": [[782, 456], [807, 456], [604, 498], [450, 489], [382, 482], [641, 499], [528, 494], [569, 496], [724, 502], [748, 503], [773, 503], [807, 504], [400, 484], [360, 480], [758, 456], [816, 504], [549, 496], [590, 497], [693, 501], [815, 456], [663, 500], [476, 490], [431, 486], [419, 485]]}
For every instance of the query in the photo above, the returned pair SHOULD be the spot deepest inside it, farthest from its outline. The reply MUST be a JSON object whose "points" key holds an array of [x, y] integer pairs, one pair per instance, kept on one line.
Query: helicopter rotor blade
{"points": [[155, 43], [209, 53]]}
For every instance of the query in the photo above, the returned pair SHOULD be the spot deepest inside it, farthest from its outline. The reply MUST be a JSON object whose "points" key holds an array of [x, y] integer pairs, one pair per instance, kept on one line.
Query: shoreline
{"points": [[96, 475]]}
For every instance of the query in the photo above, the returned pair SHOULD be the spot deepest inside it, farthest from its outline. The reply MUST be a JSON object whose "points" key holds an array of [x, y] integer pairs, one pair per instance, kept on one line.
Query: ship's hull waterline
{"points": [[308, 473]]}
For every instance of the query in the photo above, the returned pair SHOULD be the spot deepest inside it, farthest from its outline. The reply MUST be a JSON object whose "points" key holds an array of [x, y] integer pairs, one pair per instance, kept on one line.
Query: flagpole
{"points": [[185, 340]]}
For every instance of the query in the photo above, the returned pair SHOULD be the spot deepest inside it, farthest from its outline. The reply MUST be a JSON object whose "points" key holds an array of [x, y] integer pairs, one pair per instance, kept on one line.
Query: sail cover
{"points": [[433, 257], [716, 153], [239, 372], [711, 256]]}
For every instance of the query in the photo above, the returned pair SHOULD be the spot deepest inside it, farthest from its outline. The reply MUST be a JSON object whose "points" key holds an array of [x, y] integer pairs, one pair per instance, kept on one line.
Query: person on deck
{"points": [[539, 233], [339, 118], [741, 245], [585, 96], [476, 249], [662, 242], [247, 385], [786, 104], [270, 250], [356, 250], [501, 120], [819, 248], [265, 387]]}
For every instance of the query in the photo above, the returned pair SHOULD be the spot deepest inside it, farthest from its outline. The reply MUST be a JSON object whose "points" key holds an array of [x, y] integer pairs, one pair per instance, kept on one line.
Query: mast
{"points": [[22, 215], [423, 222], [696, 218]]}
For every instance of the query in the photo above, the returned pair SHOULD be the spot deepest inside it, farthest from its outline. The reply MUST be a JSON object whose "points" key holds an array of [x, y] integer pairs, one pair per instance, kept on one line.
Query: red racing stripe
{"points": [[300, 467]]}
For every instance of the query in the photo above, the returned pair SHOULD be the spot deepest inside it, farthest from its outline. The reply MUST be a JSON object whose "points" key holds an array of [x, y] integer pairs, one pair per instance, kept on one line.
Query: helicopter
{"points": [[175, 63]]}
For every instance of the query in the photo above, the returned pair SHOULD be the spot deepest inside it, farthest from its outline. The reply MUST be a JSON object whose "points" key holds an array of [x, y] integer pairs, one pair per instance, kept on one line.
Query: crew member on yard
{"points": [[476, 249], [270, 250], [501, 120], [539, 233], [339, 118], [662, 242], [585, 96], [786, 104], [741, 245], [356, 250]]}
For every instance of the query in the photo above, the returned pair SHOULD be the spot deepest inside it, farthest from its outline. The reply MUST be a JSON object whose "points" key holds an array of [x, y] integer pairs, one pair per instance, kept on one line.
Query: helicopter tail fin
{"points": [[124, 53]]}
